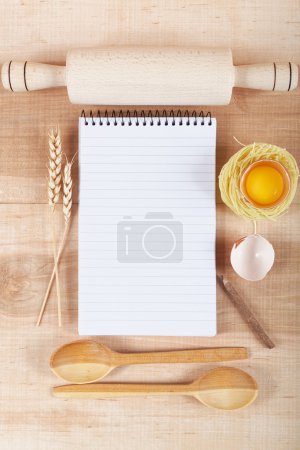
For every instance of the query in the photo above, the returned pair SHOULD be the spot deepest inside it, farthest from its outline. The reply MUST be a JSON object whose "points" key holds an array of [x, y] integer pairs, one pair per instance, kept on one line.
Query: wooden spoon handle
{"points": [[203, 355], [107, 390]]}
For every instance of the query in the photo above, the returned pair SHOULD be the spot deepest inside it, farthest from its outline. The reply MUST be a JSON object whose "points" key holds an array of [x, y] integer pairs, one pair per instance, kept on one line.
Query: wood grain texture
{"points": [[30, 418]]}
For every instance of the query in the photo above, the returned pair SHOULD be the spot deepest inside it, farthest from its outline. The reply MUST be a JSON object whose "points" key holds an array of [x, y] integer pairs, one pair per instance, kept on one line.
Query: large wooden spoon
{"points": [[86, 361], [224, 388]]}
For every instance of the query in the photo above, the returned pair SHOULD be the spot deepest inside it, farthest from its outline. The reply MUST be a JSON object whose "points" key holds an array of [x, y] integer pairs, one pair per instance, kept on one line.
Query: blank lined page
{"points": [[147, 228]]}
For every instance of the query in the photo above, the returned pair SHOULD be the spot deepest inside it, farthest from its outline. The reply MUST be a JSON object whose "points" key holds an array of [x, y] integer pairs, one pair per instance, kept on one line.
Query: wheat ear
{"points": [[67, 206], [54, 168], [54, 188], [67, 191]]}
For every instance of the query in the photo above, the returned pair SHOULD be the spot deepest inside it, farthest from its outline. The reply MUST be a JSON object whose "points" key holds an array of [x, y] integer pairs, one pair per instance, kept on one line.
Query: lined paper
{"points": [[147, 229]]}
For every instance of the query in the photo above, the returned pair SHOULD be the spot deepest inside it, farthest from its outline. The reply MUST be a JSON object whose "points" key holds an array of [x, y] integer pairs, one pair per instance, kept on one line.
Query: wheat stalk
{"points": [[54, 188], [67, 207]]}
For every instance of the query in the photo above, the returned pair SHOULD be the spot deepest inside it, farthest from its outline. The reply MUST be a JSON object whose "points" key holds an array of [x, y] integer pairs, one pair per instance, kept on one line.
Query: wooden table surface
{"points": [[30, 418]]}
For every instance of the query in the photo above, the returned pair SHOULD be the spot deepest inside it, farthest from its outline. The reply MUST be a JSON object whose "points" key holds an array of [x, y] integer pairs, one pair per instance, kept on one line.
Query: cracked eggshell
{"points": [[252, 257]]}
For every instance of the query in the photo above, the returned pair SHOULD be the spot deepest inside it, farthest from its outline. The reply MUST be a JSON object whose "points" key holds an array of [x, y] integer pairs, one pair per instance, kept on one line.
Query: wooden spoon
{"points": [[224, 388], [86, 361]]}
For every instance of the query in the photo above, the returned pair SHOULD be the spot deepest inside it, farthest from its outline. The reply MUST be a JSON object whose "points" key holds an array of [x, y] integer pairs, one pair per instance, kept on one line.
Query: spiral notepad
{"points": [[147, 224]]}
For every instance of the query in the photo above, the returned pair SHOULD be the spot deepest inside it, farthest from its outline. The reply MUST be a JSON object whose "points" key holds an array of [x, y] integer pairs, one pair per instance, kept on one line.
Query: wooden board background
{"points": [[29, 417]]}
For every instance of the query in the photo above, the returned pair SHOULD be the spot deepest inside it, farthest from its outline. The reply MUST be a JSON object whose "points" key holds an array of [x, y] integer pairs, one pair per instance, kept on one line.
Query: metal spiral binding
{"points": [[138, 118]]}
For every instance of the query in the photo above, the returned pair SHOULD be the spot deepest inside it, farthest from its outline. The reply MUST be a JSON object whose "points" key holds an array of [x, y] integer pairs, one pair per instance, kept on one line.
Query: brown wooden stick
{"points": [[245, 312]]}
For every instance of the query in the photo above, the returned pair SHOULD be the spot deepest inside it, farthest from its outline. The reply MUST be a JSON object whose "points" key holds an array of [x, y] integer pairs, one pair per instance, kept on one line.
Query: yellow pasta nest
{"points": [[230, 175]]}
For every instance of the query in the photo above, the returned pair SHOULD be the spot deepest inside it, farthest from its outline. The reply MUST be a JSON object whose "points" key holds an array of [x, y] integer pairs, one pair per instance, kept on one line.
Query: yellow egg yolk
{"points": [[264, 185]]}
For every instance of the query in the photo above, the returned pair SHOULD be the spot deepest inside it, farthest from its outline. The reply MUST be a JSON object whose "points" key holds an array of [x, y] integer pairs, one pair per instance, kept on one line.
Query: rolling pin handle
{"points": [[29, 76], [269, 77]]}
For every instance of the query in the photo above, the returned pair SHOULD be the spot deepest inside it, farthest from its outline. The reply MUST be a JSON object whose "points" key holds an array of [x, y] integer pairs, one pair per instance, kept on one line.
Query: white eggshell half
{"points": [[252, 257]]}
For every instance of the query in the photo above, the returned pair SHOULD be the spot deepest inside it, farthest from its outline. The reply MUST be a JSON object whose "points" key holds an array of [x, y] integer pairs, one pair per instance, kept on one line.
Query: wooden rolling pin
{"points": [[149, 76]]}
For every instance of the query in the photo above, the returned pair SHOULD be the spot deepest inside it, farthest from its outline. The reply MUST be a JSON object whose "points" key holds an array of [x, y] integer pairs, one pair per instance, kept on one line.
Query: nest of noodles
{"points": [[230, 175]]}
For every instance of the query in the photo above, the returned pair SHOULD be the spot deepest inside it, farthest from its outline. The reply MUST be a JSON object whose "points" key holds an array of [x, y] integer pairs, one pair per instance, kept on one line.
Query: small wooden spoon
{"points": [[224, 388], [86, 361]]}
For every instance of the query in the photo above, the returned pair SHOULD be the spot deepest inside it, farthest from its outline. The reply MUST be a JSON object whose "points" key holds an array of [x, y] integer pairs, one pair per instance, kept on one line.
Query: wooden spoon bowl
{"points": [[82, 361], [226, 388]]}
